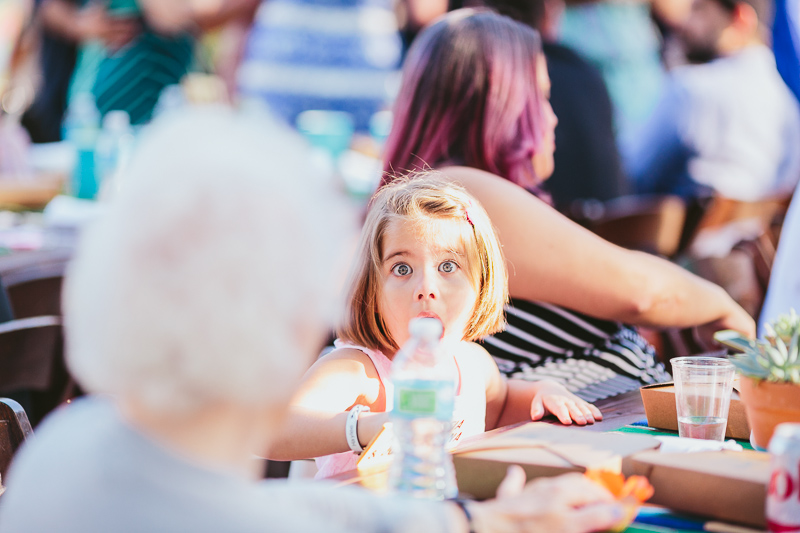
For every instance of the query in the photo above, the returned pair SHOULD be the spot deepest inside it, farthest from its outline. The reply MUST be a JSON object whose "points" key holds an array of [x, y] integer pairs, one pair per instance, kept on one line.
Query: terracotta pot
{"points": [[769, 404]]}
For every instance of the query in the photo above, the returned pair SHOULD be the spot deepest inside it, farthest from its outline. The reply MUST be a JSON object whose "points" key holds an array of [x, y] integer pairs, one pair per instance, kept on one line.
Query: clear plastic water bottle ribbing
{"points": [[114, 146], [424, 394], [80, 128]]}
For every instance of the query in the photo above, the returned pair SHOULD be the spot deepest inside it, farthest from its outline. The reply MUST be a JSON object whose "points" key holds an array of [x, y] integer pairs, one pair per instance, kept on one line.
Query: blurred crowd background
{"points": [[628, 111], [676, 118]]}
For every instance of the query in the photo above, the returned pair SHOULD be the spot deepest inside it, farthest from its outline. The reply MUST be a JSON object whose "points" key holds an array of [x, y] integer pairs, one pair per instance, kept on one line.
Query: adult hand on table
{"points": [[737, 320], [567, 504]]}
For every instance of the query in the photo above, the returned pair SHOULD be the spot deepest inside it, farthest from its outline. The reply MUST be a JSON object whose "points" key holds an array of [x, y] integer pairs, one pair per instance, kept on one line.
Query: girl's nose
{"points": [[427, 288]]}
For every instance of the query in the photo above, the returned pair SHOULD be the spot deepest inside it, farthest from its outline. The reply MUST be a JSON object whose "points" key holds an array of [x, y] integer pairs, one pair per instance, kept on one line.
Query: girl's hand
{"points": [[555, 399]]}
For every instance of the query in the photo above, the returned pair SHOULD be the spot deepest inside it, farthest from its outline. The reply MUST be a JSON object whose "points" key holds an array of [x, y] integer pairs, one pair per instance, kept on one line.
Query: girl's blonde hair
{"points": [[416, 197]]}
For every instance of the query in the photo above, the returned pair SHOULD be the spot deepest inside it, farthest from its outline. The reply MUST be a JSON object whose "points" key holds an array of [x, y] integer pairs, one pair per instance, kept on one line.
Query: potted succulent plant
{"points": [[770, 375]]}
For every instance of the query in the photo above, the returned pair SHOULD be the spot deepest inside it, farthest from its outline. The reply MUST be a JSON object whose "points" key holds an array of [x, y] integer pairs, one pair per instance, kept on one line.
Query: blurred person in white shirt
{"points": [[729, 126]]}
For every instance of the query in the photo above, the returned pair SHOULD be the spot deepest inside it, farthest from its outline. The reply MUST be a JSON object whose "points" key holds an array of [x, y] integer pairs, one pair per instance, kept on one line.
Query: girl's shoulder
{"points": [[476, 365], [344, 353], [472, 354], [472, 348], [351, 359], [341, 378]]}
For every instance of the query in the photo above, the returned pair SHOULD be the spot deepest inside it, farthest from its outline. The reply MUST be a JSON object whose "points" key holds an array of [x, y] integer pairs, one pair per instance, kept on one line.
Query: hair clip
{"points": [[466, 213]]}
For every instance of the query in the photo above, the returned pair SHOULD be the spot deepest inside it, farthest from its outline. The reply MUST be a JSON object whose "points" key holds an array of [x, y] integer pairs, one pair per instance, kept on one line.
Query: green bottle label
{"points": [[417, 402]]}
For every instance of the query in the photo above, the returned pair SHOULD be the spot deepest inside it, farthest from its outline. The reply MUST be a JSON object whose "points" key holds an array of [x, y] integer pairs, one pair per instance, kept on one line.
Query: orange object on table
{"points": [[631, 492]]}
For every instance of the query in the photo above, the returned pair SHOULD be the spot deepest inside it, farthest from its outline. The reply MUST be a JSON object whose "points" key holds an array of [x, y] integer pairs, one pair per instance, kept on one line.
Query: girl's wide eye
{"points": [[448, 267], [401, 269]]}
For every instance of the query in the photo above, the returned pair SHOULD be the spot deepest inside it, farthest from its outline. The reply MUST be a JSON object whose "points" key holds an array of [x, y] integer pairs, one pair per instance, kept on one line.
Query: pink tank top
{"points": [[469, 415]]}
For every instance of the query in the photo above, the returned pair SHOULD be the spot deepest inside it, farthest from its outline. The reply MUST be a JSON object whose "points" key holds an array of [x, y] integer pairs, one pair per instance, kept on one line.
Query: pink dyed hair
{"points": [[469, 96]]}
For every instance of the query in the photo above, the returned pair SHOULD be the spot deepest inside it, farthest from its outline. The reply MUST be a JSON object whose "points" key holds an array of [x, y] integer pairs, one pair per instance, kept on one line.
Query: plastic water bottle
{"points": [[424, 395], [380, 124], [80, 128], [114, 145], [171, 98]]}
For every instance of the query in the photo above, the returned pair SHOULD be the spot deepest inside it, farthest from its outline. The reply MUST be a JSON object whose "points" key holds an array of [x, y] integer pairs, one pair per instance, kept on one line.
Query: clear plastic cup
{"points": [[329, 130], [703, 388]]}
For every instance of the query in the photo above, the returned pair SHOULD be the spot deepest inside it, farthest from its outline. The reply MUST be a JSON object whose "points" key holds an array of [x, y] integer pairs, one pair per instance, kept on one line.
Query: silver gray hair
{"points": [[205, 275]]}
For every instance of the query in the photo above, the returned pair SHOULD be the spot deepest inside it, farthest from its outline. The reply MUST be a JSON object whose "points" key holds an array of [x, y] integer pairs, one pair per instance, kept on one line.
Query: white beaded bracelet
{"points": [[351, 427]]}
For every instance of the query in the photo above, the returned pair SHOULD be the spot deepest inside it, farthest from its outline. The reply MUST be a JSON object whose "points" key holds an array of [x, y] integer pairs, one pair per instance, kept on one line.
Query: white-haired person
{"points": [[192, 308]]}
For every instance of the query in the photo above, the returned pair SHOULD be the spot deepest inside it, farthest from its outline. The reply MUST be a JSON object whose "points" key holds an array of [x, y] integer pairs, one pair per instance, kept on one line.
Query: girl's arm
{"points": [[315, 425], [532, 400], [552, 259], [515, 400]]}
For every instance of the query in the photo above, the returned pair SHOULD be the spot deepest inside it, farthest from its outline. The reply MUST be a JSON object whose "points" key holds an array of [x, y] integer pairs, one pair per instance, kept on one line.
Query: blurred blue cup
{"points": [[329, 130]]}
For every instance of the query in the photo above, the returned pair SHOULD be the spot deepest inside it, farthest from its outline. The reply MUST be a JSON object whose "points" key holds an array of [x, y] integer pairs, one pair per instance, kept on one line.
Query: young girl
{"points": [[428, 249]]}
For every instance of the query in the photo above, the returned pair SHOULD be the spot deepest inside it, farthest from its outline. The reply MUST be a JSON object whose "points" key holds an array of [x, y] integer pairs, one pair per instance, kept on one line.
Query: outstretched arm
{"points": [[315, 425], [509, 401], [565, 503], [532, 400], [552, 259]]}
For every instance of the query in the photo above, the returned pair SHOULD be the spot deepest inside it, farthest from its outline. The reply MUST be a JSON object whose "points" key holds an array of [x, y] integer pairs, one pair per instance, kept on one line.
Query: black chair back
{"points": [[14, 429], [34, 373]]}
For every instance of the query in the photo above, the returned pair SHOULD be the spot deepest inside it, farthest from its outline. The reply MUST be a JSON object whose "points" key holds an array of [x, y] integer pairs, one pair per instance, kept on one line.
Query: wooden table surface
{"points": [[619, 411]]}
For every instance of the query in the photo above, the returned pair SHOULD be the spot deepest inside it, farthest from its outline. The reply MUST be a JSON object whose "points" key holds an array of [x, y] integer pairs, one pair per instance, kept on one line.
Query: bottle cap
{"points": [[84, 109], [429, 329], [117, 121]]}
